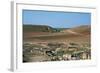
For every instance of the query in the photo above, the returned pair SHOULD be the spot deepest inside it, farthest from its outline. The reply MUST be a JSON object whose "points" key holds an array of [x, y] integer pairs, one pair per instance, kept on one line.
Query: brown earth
{"points": [[77, 34]]}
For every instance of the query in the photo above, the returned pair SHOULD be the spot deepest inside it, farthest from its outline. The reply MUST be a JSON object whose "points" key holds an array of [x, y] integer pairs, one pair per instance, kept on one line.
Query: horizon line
{"points": [[57, 27]]}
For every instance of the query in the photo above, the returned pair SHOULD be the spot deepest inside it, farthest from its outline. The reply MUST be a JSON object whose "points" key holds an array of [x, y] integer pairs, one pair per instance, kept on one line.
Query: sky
{"points": [[55, 19]]}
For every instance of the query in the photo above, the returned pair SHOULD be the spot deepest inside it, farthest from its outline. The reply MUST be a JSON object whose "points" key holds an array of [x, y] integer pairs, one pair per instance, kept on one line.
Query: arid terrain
{"points": [[44, 43]]}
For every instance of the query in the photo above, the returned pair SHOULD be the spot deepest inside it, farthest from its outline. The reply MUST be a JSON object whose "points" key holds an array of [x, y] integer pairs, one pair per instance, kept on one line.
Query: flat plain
{"points": [[43, 43]]}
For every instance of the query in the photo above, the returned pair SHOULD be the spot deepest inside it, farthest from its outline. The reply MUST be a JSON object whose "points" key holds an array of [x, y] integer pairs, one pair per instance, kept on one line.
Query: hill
{"points": [[47, 33], [84, 29], [37, 28]]}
